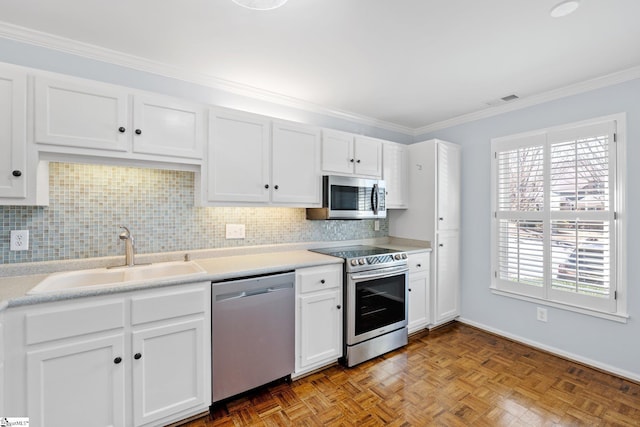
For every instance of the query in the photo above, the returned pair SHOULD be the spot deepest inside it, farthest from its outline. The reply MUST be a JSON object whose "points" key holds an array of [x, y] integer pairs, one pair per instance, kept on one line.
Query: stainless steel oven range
{"points": [[375, 295]]}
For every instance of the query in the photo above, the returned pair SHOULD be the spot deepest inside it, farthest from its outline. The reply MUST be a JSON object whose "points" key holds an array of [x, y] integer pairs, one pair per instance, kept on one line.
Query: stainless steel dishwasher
{"points": [[253, 327]]}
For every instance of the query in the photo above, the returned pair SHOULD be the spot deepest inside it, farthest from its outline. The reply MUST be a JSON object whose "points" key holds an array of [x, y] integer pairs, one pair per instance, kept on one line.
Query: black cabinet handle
{"points": [[266, 186], [121, 129], [441, 245], [339, 307], [322, 281], [16, 173], [117, 360], [276, 187], [138, 131], [137, 356]]}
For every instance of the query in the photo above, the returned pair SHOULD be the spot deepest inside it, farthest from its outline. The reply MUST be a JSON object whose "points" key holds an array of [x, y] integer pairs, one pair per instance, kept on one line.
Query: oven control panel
{"points": [[378, 259]]}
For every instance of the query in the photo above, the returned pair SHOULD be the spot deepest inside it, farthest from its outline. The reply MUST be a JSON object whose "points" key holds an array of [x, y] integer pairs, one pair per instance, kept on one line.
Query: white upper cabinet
{"points": [[347, 154], [81, 115], [395, 175], [90, 116], [13, 143], [167, 127], [295, 166], [249, 164], [238, 159]]}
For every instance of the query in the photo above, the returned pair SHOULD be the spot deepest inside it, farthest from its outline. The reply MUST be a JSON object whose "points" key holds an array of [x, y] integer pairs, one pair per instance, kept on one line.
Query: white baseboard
{"points": [[635, 377]]}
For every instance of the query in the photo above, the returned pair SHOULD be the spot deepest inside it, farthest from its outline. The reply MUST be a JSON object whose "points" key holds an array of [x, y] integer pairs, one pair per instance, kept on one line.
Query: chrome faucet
{"points": [[129, 246]]}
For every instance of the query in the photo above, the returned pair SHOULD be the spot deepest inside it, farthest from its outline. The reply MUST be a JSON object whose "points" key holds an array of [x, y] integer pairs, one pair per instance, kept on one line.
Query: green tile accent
{"points": [[88, 202]]}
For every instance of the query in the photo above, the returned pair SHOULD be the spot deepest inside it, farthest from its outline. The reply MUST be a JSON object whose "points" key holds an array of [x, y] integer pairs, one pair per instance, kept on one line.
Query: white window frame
{"points": [[617, 310]]}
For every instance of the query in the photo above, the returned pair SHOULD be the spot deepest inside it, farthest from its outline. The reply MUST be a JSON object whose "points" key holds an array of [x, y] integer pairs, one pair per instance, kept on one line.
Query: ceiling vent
{"points": [[502, 100]]}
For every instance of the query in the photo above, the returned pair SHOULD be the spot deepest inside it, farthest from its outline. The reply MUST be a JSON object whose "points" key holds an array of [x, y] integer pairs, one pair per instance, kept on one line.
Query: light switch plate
{"points": [[19, 240], [235, 231]]}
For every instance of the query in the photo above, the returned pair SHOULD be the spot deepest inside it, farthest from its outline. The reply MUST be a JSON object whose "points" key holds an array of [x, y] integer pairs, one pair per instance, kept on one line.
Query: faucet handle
{"points": [[126, 234]]}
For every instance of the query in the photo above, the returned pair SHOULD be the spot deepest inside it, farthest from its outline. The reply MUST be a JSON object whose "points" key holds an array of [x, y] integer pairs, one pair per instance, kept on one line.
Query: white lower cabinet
{"points": [[81, 383], [419, 292], [446, 291], [134, 359], [3, 392], [318, 317]]}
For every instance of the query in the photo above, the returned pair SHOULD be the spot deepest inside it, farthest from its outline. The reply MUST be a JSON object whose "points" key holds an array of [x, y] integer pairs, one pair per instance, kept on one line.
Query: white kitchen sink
{"points": [[119, 276]]}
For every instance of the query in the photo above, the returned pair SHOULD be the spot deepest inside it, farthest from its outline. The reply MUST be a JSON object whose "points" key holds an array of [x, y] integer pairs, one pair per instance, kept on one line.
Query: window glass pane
{"points": [[521, 179], [580, 254], [580, 174], [521, 252]]}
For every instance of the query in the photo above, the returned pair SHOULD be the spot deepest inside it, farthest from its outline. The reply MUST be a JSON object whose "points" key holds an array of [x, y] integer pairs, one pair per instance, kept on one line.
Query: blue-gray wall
{"points": [[607, 343]]}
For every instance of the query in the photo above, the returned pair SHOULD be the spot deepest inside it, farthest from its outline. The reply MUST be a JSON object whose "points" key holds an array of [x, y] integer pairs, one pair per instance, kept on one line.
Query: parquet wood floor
{"points": [[454, 376]]}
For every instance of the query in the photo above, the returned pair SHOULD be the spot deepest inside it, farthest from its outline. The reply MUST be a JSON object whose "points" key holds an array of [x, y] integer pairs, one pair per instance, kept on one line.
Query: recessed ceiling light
{"points": [[260, 4], [564, 8]]}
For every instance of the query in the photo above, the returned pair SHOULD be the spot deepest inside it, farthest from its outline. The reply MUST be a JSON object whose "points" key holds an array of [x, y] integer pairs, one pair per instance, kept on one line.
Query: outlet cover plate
{"points": [[235, 231], [19, 240]]}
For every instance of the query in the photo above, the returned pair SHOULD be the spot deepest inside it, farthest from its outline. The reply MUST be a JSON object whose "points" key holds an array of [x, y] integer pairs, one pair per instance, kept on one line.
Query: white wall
{"points": [[604, 343]]}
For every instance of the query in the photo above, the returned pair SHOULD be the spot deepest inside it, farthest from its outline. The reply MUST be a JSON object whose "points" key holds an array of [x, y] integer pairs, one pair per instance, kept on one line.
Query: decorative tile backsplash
{"points": [[89, 202]]}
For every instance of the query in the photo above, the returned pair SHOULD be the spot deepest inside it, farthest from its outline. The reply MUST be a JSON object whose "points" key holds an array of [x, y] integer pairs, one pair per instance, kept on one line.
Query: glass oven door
{"points": [[376, 303]]}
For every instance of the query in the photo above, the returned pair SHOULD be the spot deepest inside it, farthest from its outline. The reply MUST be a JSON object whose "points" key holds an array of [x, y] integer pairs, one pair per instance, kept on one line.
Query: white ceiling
{"points": [[410, 63]]}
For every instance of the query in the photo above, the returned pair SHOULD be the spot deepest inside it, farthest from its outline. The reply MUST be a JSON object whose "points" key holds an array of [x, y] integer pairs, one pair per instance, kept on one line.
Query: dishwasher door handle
{"points": [[247, 294]]}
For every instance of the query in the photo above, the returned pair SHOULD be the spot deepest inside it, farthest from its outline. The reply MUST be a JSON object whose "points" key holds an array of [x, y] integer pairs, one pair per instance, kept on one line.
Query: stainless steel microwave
{"points": [[346, 197]]}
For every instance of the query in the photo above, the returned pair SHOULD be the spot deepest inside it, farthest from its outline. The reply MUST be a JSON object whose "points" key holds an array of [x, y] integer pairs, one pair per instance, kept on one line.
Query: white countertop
{"points": [[13, 290]]}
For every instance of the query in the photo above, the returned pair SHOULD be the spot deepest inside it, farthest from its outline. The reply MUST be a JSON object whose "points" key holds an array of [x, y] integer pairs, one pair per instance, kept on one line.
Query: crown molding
{"points": [[89, 51], [574, 89]]}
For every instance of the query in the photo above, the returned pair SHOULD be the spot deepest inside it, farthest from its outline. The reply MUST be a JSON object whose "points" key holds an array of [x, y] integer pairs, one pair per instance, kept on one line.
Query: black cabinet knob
{"points": [[276, 187], [16, 173], [441, 245], [441, 219], [352, 160], [121, 129], [322, 281], [339, 307], [358, 161], [137, 356], [418, 265], [266, 186], [138, 131], [409, 289], [117, 360]]}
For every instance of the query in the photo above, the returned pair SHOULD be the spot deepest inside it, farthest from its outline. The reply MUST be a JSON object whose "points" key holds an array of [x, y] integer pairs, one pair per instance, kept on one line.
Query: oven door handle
{"points": [[379, 274]]}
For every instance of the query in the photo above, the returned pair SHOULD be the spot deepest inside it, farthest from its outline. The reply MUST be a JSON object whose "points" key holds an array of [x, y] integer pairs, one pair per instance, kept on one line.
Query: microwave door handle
{"points": [[374, 199]]}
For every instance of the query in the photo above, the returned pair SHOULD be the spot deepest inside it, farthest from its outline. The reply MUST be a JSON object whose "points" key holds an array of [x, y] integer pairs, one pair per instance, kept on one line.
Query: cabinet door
{"points": [[448, 186], [337, 152], [447, 286], [168, 370], [2, 390], [368, 155], [167, 127], [13, 143], [84, 116], [320, 327], [238, 158], [78, 384], [418, 301], [295, 168], [395, 174]]}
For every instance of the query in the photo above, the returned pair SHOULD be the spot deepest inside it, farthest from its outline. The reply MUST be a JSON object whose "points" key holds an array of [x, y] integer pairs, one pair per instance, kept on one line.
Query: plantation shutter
{"points": [[554, 218]]}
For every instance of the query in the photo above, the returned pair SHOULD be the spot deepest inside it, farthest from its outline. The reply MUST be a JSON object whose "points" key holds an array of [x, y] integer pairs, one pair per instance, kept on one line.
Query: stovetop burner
{"points": [[360, 257]]}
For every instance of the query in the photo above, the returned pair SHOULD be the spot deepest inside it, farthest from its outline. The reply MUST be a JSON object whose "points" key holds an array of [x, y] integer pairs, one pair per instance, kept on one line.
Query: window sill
{"points": [[616, 317]]}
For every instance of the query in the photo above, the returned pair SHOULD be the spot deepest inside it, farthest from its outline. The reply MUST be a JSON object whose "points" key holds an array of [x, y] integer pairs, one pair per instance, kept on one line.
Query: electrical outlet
{"points": [[235, 231], [542, 314], [19, 240], [376, 225]]}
